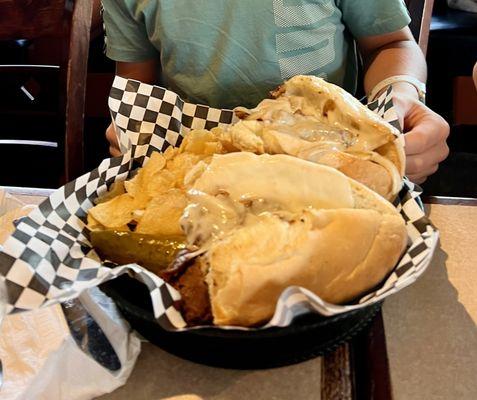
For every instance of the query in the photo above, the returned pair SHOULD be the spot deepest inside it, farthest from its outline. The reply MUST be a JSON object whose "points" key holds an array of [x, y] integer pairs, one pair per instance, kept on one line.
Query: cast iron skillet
{"points": [[309, 335]]}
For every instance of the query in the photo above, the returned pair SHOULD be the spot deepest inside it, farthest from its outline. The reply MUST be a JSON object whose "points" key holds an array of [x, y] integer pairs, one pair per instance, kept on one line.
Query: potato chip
{"points": [[155, 197], [115, 213], [93, 224], [225, 139], [213, 148], [137, 186], [170, 153], [117, 188], [201, 142], [161, 182], [155, 163], [163, 213], [181, 165]]}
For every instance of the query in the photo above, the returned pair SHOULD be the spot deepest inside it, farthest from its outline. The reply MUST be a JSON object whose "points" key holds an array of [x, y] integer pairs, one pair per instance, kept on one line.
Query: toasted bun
{"points": [[378, 175], [337, 254], [340, 241]]}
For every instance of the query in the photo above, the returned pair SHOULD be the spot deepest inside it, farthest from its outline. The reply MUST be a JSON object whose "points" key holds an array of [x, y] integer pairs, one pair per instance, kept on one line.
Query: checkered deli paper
{"points": [[49, 259]]}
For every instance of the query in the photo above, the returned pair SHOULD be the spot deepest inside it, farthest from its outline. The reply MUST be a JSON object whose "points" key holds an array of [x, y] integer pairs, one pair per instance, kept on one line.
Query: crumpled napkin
{"points": [[41, 359]]}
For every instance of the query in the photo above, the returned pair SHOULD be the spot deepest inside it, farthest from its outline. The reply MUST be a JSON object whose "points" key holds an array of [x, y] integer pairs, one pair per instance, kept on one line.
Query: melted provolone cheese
{"points": [[238, 186], [326, 104], [311, 121], [281, 179]]}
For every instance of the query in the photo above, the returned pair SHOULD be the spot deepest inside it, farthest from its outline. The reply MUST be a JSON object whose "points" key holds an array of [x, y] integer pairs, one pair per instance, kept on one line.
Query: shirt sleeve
{"points": [[374, 17], [126, 35]]}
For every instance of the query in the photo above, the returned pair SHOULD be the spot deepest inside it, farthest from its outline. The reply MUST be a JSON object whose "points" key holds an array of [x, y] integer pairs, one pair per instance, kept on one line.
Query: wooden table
{"points": [[430, 330]]}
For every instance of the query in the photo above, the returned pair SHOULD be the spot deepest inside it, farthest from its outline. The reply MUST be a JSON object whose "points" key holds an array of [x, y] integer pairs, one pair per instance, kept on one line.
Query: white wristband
{"points": [[420, 86]]}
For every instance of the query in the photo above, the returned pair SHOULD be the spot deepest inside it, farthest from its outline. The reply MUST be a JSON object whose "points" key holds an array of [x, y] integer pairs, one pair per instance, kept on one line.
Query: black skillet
{"points": [[309, 335]]}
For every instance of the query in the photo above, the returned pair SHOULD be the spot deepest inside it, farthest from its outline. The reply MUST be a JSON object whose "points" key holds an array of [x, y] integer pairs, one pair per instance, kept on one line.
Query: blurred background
{"points": [[53, 71]]}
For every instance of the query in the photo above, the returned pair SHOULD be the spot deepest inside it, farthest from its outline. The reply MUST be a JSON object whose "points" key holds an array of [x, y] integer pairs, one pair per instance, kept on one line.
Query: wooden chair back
{"points": [[66, 22], [421, 14]]}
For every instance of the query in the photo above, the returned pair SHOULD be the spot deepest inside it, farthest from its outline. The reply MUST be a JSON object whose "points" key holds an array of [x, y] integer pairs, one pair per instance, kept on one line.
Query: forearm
{"points": [[425, 131], [144, 71], [400, 57]]}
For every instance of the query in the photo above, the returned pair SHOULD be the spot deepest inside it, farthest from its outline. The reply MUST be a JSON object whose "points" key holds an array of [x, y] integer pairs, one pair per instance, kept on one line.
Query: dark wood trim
{"points": [[336, 375], [76, 88], [30, 19], [426, 25], [421, 14], [451, 201], [63, 96], [370, 365], [359, 370]]}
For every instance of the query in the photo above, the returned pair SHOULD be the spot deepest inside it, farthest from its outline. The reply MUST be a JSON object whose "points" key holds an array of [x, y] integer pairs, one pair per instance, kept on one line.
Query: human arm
{"points": [[145, 71], [426, 132], [128, 44]]}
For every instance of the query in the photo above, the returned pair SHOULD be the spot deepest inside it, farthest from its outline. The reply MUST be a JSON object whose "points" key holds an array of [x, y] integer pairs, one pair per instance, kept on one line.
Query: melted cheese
{"points": [[281, 179], [235, 188], [326, 105]]}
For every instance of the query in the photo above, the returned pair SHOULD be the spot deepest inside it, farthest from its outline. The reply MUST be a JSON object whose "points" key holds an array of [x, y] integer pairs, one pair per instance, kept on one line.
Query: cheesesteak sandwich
{"points": [[312, 119], [293, 194], [265, 222]]}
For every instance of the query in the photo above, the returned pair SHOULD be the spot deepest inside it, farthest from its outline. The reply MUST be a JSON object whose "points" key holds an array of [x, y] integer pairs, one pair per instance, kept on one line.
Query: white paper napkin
{"points": [[41, 359]]}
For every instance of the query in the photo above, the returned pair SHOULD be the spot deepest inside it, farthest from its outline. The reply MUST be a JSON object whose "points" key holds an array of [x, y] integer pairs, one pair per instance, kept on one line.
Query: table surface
{"points": [[430, 330], [430, 327]]}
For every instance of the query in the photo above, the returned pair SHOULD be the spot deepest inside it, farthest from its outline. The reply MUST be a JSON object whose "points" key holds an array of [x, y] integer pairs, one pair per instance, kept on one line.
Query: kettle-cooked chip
{"points": [[117, 188], [116, 212], [201, 142], [181, 164], [136, 187], [170, 153], [161, 182], [93, 223], [162, 214]]}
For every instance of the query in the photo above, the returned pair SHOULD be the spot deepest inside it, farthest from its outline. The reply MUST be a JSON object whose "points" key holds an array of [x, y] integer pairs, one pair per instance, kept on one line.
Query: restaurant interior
{"points": [[33, 95], [55, 82]]}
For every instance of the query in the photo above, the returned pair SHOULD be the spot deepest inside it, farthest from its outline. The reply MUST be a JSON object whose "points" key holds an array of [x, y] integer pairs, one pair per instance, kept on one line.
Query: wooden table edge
{"points": [[359, 370]]}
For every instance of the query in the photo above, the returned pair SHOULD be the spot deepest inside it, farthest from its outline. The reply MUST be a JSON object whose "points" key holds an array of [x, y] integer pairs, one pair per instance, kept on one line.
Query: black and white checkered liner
{"points": [[49, 259]]}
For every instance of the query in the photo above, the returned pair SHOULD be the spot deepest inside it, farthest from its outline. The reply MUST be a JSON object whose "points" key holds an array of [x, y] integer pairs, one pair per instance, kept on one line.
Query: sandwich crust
{"points": [[336, 254], [338, 240]]}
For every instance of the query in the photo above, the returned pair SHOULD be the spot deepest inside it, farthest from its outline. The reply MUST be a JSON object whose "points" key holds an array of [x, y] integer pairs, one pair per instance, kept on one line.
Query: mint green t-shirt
{"points": [[225, 53]]}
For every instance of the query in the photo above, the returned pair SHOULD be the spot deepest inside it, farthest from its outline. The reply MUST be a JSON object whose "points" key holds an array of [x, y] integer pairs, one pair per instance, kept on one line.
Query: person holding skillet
{"points": [[229, 53]]}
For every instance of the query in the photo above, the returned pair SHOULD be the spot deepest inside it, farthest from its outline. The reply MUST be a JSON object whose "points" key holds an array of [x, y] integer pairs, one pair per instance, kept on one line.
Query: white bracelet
{"points": [[420, 86]]}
